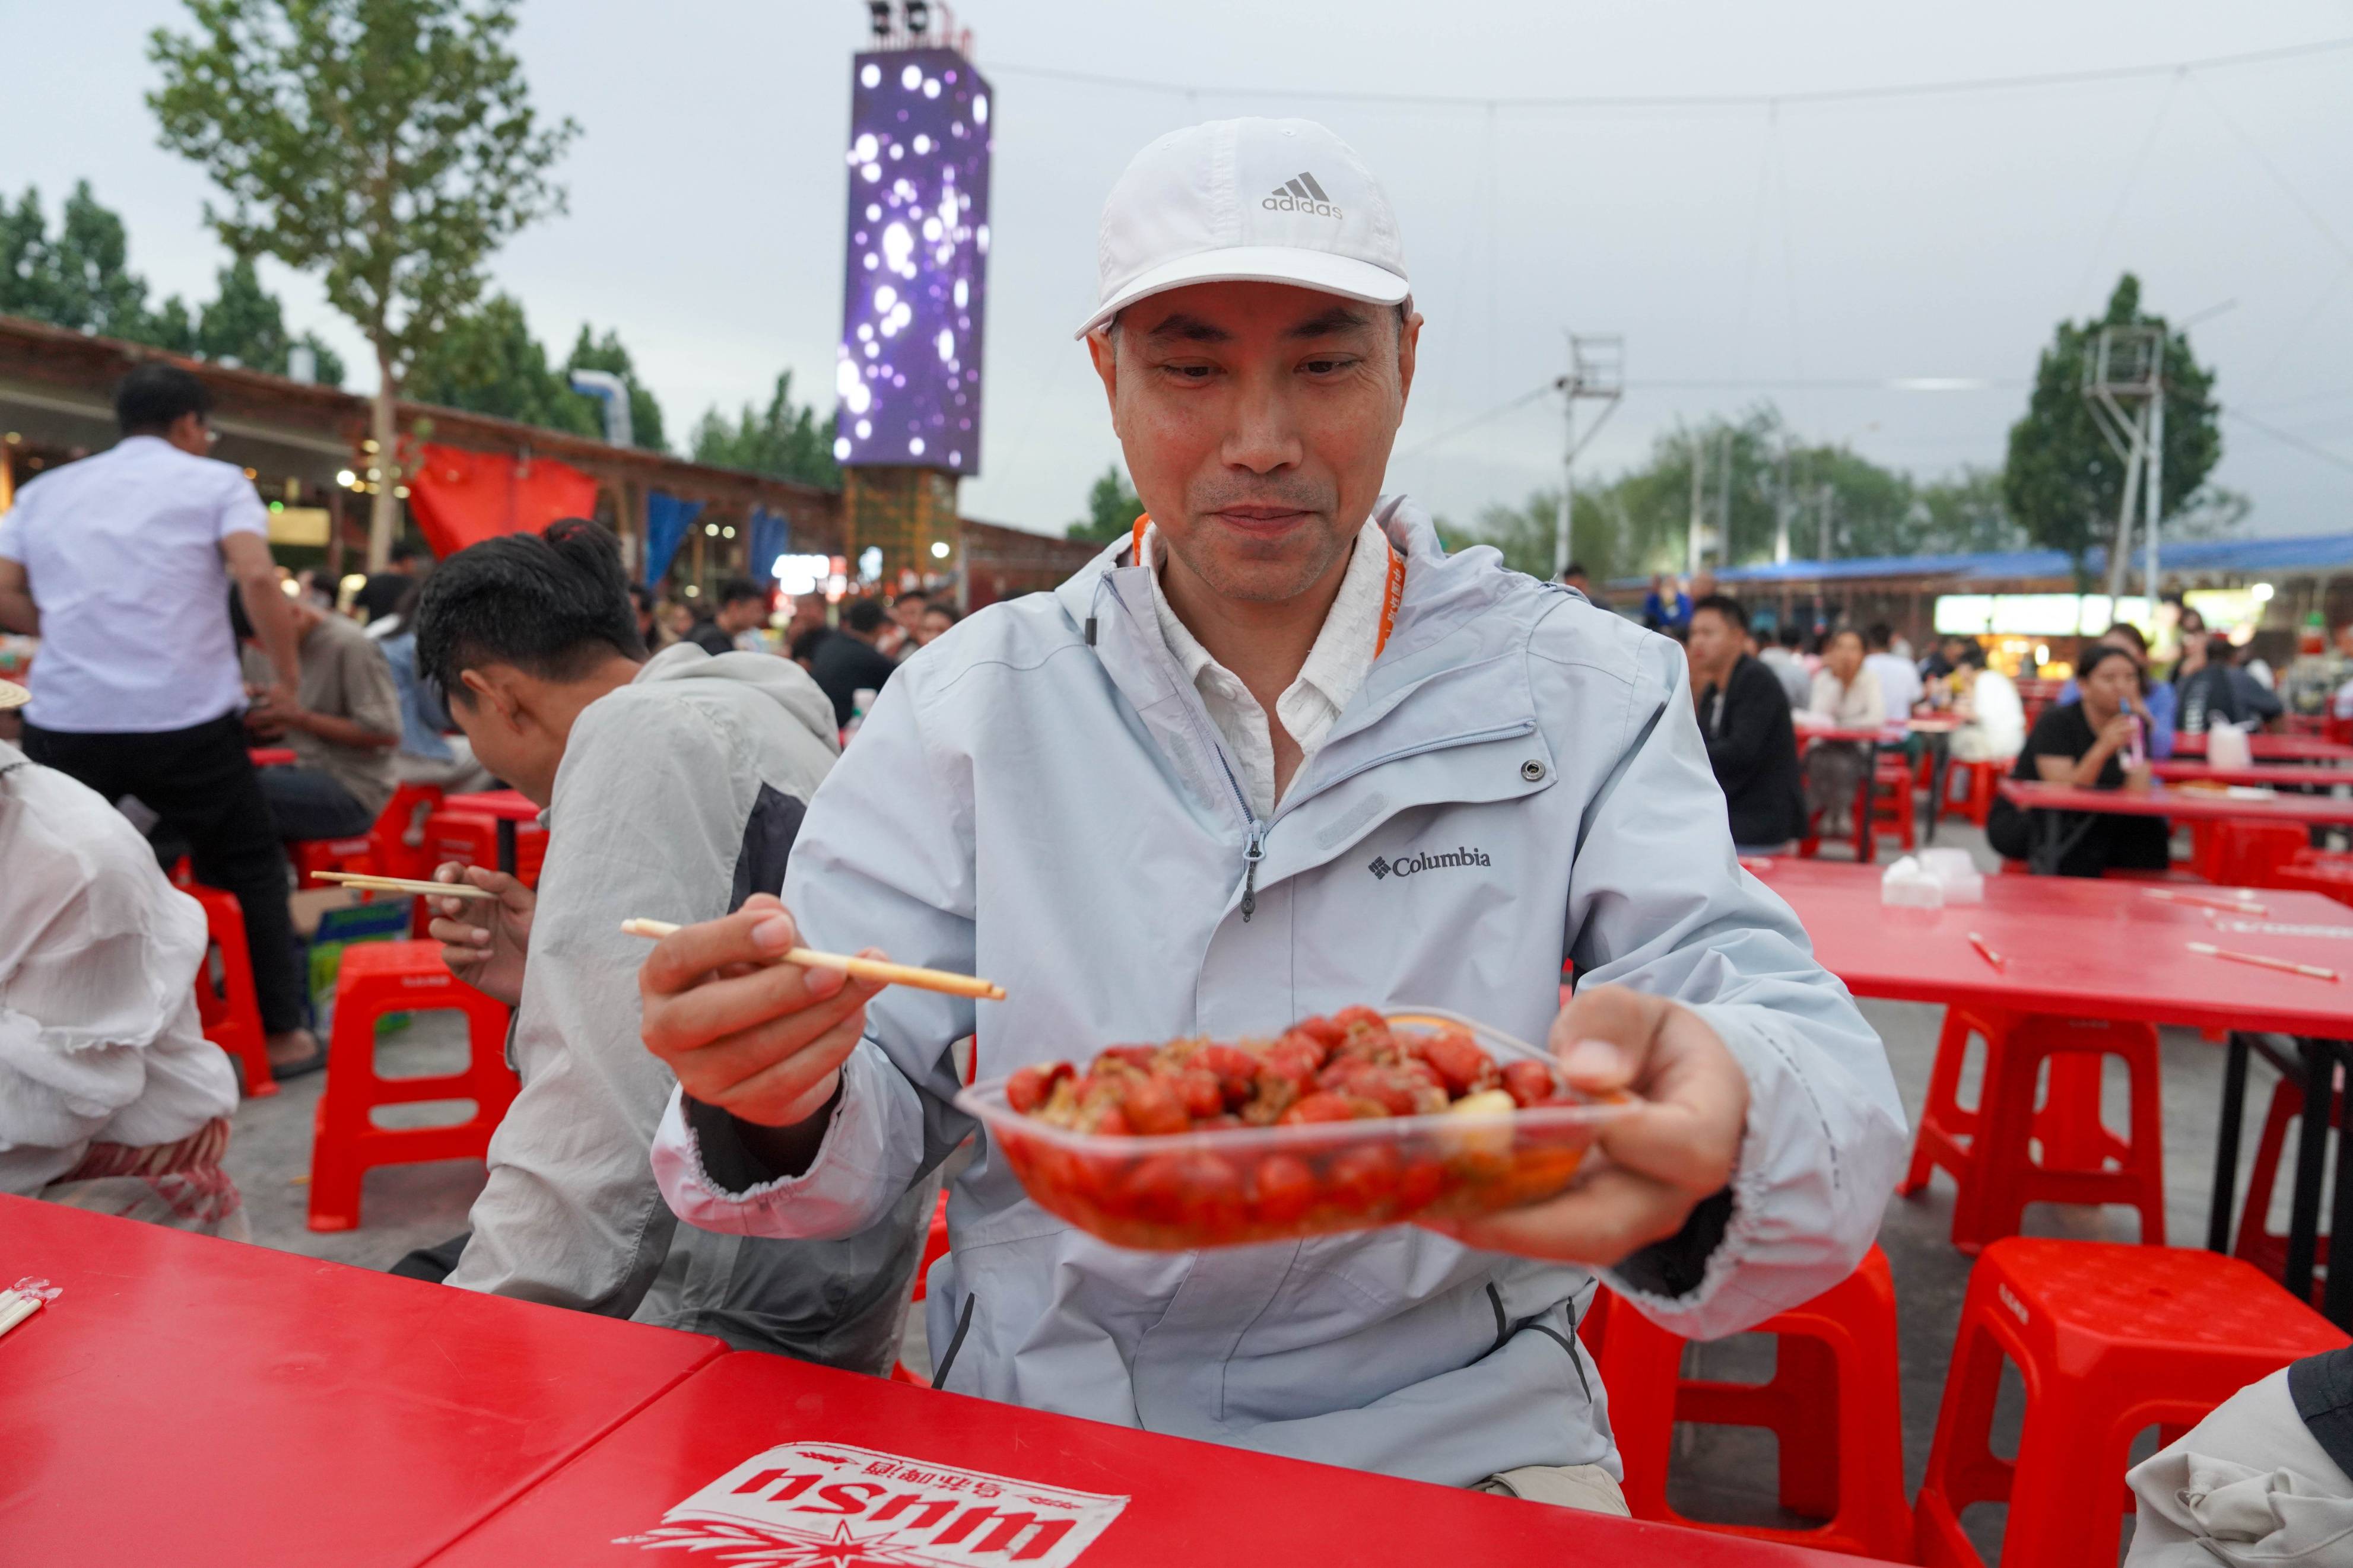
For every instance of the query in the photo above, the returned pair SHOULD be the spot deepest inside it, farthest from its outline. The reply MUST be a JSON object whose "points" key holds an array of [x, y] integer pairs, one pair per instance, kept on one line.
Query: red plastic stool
{"points": [[1988, 1148], [1979, 780], [390, 848], [231, 1016], [308, 855], [2109, 1340], [377, 978], [2324, 872], [935, 1246], [2257, 1243], [470, 838], [1832, 1406], [2246, 853], [1891, 798]]}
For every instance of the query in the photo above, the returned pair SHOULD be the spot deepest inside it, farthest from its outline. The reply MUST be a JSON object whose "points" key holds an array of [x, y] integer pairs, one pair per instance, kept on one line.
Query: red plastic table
{"points": [[2274, 748], [508, 807], [2090, 948], [756, 1450], [2205, 810], [2300, 775], [199, 1402]]}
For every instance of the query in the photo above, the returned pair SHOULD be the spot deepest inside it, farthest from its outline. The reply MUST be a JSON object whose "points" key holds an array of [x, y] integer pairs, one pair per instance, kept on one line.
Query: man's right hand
{"points": [[485, 943], [760, 1039]]}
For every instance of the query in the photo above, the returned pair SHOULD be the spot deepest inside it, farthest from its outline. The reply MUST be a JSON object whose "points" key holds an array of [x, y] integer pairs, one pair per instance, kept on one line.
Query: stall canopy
{"points": [[667, 520], [461, 497]]}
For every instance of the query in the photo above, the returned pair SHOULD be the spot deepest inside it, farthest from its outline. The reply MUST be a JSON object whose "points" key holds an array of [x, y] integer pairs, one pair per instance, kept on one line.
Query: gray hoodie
{"points": [[680, 795]]}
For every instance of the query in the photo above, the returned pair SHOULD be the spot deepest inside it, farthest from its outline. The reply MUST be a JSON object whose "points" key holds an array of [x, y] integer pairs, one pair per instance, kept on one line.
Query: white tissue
{"points": [[1956, 873], [1906, 885]]}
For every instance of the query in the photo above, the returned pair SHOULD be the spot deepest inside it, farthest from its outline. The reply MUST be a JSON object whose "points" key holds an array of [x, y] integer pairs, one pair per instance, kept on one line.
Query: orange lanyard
{"points": [[1392, 597]]}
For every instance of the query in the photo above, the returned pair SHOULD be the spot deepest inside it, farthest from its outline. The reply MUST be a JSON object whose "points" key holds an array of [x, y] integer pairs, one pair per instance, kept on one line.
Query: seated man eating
{"points": [[1172, 798], [673, 787]]}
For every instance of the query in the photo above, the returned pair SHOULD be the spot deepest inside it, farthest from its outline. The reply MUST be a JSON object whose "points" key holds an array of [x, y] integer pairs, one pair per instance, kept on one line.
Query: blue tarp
{"points": [[667, 520], [771, 536]]}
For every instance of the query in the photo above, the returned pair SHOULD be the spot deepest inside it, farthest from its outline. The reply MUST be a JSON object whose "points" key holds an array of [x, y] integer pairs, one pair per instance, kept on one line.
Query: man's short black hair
{"points": [[554, 604], [864, 616], [404, 549], [1793, 635], [942, 607], [1878, 635], [735, 590], [155, 396], [1727, 606], [2126, 628], [1574, 569]]}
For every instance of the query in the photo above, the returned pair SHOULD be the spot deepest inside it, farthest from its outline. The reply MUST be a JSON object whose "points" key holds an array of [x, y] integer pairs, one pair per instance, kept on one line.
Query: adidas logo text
{"points": [[1301, 193]]}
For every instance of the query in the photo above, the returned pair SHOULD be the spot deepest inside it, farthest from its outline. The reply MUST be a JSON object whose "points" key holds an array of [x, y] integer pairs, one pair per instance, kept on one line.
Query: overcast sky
{"points": [[1934, 235]]}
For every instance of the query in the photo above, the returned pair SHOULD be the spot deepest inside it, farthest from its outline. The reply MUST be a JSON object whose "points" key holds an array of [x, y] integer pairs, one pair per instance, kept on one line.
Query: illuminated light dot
{"points": [[955, 460], [979, 109], [865, 331], [870, 76], [897, 245], [859, 400], [885, 296], [931, 228], [862, 150], [872, 348], [845, 379], [873, 172], [865, 428], [963, 293], [915, 446], [911, 77], [932, 87], [841, 443], [956, 128], [872, 261], [902, 313], [980, 237], [897, 151], [923, 145], [947, 344], [873, 213], [944, 255]]}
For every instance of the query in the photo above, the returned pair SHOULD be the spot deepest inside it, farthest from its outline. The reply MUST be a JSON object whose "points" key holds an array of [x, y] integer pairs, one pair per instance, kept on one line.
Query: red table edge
{"points": [[2192, 805]]}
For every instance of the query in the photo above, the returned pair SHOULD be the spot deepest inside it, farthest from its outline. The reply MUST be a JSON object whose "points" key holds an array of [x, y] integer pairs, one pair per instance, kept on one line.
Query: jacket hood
{"points": [[780, 680]]}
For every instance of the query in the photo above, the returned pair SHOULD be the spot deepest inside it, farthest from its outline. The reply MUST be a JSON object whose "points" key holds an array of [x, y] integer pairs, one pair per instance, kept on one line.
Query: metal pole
{"points": [[1827, 496], [1781, 515], [1724, 502], [2155, 499], [1562, 538], [1698, 503], [2120, 551]]}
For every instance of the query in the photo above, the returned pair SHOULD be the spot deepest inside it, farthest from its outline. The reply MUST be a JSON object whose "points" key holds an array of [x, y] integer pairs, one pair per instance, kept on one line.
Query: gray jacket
{"points": [[1039, 797], [680, 795]]}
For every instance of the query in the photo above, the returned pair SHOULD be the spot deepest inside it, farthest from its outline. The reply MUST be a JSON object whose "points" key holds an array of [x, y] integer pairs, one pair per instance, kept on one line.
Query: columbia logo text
{"points": [[1409, 865], [1300, 194]]}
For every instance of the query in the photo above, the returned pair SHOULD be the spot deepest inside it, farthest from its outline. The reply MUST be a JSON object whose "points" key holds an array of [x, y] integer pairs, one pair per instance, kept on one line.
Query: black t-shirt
{"points": [[710, 638], [381, 593], [843, 664], [2064, 731]]}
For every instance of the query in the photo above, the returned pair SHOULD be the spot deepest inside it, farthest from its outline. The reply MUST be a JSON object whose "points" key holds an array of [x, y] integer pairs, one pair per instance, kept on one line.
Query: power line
{"points": [[2277, 434], [1471, 424], [1690, 100]]}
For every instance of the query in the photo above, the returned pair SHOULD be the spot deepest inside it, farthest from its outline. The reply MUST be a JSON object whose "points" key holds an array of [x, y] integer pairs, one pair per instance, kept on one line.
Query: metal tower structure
{"points": [[1596, 372], [2123, 385]]}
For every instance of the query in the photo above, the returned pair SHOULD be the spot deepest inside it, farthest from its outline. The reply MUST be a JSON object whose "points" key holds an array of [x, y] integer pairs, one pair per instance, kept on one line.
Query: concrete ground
{"points": [[1724, 1474]]}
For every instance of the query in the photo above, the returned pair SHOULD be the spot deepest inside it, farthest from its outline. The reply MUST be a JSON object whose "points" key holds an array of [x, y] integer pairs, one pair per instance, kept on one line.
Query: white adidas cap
{"points": [[1268, 201]]}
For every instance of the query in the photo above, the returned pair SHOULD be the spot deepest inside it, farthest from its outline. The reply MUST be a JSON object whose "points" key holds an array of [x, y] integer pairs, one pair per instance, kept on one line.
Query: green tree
{"points": [[486, 361], [388, 145], [245, 324], [80, 278], [785, 440], [607, 354], [1112, 510], [2064, 482]]}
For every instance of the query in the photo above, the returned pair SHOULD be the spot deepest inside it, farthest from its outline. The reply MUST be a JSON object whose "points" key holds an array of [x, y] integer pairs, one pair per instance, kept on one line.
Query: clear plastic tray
{"points": [[1230, 1187]]}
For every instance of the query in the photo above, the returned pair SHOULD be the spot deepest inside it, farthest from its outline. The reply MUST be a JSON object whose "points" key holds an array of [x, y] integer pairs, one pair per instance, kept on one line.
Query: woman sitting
{"points": [[1846, 696], [2089, 742], [1993, 719]]}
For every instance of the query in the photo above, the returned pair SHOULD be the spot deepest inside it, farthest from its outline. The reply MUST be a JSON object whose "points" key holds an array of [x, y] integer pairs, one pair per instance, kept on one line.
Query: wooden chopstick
{"points": [[14, 1308], [1986, 951], [2315, 971], [405, 885], [2232, 906], [858, 968]]}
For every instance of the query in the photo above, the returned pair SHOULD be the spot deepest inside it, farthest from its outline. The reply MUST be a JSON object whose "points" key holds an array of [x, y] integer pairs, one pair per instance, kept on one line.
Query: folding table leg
{"points": [[2319, 1061], [2337, 1306], [2226, 1146]]}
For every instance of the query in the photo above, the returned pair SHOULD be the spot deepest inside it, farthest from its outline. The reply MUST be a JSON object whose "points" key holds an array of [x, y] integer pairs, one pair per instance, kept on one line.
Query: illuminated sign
{"points": [[2036, 615], [908, 371], [799, 574]]}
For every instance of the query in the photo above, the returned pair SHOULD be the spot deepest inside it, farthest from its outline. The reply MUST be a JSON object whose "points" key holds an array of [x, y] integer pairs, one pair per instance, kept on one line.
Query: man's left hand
{"points": [[1675, 1148]]}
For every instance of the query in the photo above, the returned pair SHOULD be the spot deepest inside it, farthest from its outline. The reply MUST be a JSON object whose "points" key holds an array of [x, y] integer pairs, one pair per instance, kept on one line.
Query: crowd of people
{"points": [[1164, 801]]}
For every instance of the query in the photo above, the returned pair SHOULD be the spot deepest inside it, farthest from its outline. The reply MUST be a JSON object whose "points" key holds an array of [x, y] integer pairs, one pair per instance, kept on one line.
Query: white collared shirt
{"points": [[1335, 667], [122, 553]]}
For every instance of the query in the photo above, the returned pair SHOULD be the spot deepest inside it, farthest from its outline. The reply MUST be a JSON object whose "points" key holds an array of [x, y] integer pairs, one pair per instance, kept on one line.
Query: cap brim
{"points": [[1318, 269], [13, 695]]}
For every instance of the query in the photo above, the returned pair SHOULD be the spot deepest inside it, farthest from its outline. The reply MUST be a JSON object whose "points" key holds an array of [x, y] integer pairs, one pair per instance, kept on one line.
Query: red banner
{"points": [[461, 497]]}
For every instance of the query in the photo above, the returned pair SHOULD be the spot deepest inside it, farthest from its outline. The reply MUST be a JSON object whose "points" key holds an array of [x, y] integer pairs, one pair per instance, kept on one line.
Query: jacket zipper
{"points": [[1253, 839]]}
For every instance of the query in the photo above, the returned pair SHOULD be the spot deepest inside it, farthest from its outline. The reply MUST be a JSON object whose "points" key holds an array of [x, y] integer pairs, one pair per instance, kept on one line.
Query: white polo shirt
{"points": [[123, 551]]}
